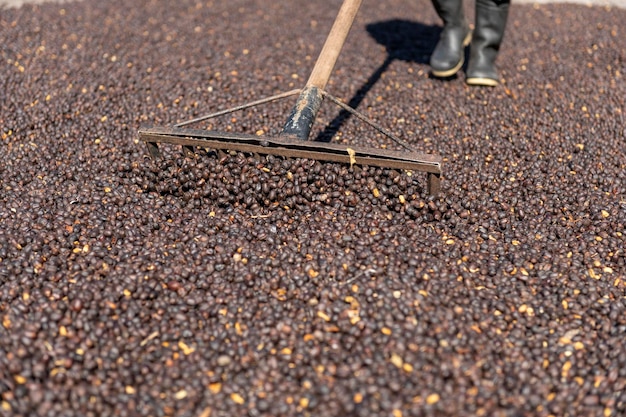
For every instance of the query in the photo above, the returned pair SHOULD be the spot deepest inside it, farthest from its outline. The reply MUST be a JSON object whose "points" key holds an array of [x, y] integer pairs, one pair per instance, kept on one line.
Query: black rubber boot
{"points": [[491, 16], [448, 56]]}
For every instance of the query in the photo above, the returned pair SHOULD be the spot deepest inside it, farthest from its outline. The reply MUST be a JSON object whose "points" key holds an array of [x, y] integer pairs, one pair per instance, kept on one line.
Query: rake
{"points": [[293, 141]]}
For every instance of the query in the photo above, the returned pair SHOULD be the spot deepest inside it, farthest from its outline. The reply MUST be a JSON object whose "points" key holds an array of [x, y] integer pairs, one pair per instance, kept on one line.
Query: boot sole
{"points": [[483, 82], [450, 72]]}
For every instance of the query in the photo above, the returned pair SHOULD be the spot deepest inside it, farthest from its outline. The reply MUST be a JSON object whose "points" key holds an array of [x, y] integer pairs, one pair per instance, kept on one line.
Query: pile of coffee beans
{"points": [[225, 284]]}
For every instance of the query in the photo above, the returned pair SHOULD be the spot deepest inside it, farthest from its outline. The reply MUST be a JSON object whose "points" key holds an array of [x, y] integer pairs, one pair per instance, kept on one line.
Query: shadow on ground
{"points": [[404, 40]]}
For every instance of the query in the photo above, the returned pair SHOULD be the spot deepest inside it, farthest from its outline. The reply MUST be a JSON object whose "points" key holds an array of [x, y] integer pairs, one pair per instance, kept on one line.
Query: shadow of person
{"points": [[403, 40], [406, 40]]}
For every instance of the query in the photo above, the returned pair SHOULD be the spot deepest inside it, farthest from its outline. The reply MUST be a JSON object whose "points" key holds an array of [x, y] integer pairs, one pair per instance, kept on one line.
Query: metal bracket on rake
{"points": [[289, 145]]}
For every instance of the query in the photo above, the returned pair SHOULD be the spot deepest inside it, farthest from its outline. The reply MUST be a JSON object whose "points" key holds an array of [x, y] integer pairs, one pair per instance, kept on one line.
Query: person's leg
{"points": [[491, 16], [448, 56]]}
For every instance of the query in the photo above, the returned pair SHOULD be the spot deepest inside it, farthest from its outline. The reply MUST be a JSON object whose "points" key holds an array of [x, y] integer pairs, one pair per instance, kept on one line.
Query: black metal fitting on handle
{"points": [[303, 115]]}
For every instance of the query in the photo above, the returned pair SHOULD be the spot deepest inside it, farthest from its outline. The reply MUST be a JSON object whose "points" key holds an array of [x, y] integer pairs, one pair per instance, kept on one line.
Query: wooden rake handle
{"points": [[334, 42], [304, 112]]}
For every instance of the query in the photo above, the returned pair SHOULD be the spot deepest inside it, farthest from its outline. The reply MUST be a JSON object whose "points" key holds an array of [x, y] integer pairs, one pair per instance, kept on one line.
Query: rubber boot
{"points": [[449, 54], [491, 16]]}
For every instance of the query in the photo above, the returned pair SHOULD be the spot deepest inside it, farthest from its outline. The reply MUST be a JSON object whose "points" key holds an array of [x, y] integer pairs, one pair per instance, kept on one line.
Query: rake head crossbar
{"points": [[287, 147]]}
